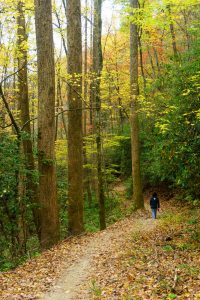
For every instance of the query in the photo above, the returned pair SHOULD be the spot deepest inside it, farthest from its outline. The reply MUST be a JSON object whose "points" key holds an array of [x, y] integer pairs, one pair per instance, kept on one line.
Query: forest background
{"points": [[85, 119]]}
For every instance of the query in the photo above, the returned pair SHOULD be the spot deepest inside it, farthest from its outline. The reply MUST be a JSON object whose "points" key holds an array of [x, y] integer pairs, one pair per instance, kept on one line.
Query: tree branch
{"points": [[6, 126], [9, 111]]}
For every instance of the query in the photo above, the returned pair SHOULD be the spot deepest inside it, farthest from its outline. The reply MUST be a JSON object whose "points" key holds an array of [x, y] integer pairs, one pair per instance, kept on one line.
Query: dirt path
{"points": [[75, 281], [120, 262]]}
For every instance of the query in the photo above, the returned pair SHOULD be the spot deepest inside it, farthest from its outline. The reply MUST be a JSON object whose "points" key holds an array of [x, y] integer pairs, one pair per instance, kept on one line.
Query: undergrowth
{"points": [[169, 256], [160, 262]]}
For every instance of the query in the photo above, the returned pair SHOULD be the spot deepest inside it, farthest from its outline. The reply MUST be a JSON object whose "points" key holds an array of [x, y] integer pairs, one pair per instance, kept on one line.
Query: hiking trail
{"points": [[119, 262], [105, 243]]}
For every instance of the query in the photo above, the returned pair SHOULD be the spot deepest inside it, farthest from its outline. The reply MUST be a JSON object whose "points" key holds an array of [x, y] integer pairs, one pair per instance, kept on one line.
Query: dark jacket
{"points": [[154, 202]]}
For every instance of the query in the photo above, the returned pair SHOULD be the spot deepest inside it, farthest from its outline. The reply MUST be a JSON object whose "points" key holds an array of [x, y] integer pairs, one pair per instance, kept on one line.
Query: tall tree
{"points": [[97, 69], [85, 84], [172, 31], [23, 99], [75, 140], [87, 186], [46, 123], [134, 92]]}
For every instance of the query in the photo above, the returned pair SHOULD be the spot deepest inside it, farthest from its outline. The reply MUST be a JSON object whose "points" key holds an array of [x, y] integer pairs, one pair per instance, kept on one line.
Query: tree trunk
{"points": [[46, 124], [85, 84], [172, 31], [22, 225], [117, 86], [141, 62], [91, 100], [75, 141], [151, 62], [97, 68], [63, 117], [134, 92], [23, 97], [157, 60], [186, 30], [87, 171]]}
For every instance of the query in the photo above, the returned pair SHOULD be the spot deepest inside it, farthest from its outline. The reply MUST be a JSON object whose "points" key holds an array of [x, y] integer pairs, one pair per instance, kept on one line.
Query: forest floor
{"points": [[135, 258]]}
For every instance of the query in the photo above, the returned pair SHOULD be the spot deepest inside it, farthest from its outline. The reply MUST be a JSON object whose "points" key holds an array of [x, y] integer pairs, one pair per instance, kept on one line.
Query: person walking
{"points": [[154, 204]]}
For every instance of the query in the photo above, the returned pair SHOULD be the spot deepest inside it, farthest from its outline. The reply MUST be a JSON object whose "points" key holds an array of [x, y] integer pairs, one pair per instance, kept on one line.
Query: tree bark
{"points": [[91, 97], [186, 30], [172, 31], [85, 84], [134, 92], [75, 141], [97, 68], [46, 124], [157, 60], [87, 171], [141, 62], [151, 62]]}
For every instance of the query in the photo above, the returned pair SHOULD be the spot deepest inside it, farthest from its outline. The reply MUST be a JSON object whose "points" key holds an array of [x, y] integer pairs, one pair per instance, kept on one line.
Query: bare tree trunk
{"points": [[63, 117], [22, 226], [64, 2], [157, 60], [87, 171], [141, 62], [117, 86], [46, 124], [85, 84], [92, 158], [60, 100], [134, 92], [61, 31], [186, 30], [23, 97], [57, 108], [151, 61], [91, 100], [97, 68], [33, 129], [75, 141], [172, 31]]}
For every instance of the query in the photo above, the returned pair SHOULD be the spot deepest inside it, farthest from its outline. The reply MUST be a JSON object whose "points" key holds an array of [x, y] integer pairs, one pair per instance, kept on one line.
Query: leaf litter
{"points": [[136, 258]]}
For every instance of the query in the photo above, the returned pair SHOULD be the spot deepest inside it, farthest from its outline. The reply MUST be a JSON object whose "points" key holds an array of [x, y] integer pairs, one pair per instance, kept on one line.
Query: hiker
{"points": [[155, 205]]}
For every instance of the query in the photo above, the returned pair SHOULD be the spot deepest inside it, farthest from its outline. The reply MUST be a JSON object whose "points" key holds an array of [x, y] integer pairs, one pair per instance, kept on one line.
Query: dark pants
{"points": [[154, 212]]}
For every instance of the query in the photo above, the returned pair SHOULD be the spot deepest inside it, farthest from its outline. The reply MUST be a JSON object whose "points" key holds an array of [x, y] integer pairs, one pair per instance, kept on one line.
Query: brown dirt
{"points": [[75, 281]]}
